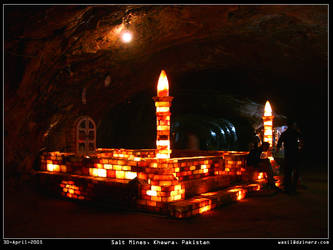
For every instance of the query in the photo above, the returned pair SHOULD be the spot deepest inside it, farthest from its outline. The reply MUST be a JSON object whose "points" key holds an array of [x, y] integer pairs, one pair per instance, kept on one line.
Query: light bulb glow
{"points": [[126, 36]]}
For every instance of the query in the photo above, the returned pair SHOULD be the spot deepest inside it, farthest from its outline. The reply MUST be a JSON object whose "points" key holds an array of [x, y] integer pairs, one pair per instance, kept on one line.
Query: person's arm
{"points": [[281, 139]]}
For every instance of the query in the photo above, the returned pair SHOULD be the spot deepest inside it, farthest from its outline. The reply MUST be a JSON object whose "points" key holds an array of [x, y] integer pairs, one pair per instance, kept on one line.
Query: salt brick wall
{"points": [[164, 181]]}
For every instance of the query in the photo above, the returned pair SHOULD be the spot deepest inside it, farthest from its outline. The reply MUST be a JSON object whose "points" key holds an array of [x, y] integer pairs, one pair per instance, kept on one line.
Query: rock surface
{"points": [[53, 53]]}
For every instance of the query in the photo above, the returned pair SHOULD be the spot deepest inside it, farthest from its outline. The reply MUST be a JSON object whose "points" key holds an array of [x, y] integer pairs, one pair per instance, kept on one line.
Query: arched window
{"points": [[85, 135]]}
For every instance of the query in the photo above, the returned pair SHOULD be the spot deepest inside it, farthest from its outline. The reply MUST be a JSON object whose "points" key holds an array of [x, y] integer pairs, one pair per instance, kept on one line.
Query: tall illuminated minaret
{"points": [[163, 104], [268, 125]]}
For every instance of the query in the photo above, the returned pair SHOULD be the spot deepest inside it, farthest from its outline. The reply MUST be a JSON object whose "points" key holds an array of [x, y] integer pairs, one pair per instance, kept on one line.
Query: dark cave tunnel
{"points": [[222, 62]]}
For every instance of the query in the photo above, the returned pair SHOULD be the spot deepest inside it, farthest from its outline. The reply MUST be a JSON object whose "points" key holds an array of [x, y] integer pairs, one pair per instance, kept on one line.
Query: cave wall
{"points": [[52, 53]]}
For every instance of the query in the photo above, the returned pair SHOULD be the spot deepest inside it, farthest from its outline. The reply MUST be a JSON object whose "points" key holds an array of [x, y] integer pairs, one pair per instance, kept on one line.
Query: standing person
{"points": [[291, 139]]}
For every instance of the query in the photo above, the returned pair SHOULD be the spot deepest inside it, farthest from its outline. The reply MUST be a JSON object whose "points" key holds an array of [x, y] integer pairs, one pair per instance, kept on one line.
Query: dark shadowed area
{"points": [[222, 62]]}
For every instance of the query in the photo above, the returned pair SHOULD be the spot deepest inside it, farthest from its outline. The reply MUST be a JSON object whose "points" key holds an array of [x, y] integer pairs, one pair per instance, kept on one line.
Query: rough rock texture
{"points": [[53, 53]]}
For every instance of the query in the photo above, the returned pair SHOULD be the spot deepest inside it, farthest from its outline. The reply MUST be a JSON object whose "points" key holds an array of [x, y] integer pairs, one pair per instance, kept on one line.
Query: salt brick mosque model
{"points": [[177, 186]]}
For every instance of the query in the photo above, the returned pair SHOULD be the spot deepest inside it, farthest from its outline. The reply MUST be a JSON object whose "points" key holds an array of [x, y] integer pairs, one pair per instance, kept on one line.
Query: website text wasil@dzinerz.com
{"points": [[303, 242]]}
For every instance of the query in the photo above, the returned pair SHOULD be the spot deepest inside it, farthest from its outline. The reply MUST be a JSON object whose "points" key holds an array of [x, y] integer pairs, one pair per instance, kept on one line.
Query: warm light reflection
{"points": [[204, 209], [209, 194], [255, 186], [240, 193], [260, 176]]}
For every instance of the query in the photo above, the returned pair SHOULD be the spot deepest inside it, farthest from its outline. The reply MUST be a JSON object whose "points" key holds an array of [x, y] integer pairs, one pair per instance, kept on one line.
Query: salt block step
{"points": [[208, 201]]}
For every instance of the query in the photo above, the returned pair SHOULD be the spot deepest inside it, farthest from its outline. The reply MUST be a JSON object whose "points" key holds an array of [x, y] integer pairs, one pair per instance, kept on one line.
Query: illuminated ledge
{"points": [[90, 178], [103, 191], [208, 201]]}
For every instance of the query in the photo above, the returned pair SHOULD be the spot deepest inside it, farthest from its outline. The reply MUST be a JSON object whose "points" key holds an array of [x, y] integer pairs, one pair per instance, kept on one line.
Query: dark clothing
{"points": [[290, 139], [253, 159]]}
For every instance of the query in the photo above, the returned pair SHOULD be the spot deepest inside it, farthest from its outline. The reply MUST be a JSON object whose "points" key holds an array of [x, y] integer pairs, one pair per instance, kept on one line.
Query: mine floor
{"points": [[30, 214]]}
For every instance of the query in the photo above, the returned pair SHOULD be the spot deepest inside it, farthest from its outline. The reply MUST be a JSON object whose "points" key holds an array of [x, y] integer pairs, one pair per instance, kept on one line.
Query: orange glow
{"points": [[126, 36], [155, 188], [268, 109], [163, 85], [70, 190], [130, 175], [240, 193], [268, 123], [163, 143], [256, 186], [151, 193], [204, 209], [209, 194], [97, 172], [162, 109], [53, 167], [260, 176]]}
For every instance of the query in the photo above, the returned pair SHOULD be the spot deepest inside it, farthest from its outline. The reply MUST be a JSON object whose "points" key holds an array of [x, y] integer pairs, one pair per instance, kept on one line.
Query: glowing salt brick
{"points": [[151, 203], [126, 168], [156, 188], [120, 174], [101, 172], [177, 187], [204, 209], [156, 198], [203, 166], [241, 194], [205, 170], [107, 166], [227, 169], [53, 168], [117, 167], [63, 168], [177, 197], [98, 165], [153, 165], [173, 193], [130, 175], [162, 104], [192, 168], [151, 193], [170, 199]]}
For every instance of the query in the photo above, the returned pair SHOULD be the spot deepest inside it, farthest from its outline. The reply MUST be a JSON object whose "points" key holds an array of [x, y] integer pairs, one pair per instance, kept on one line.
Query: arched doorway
{"points": [[85, 135]]}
